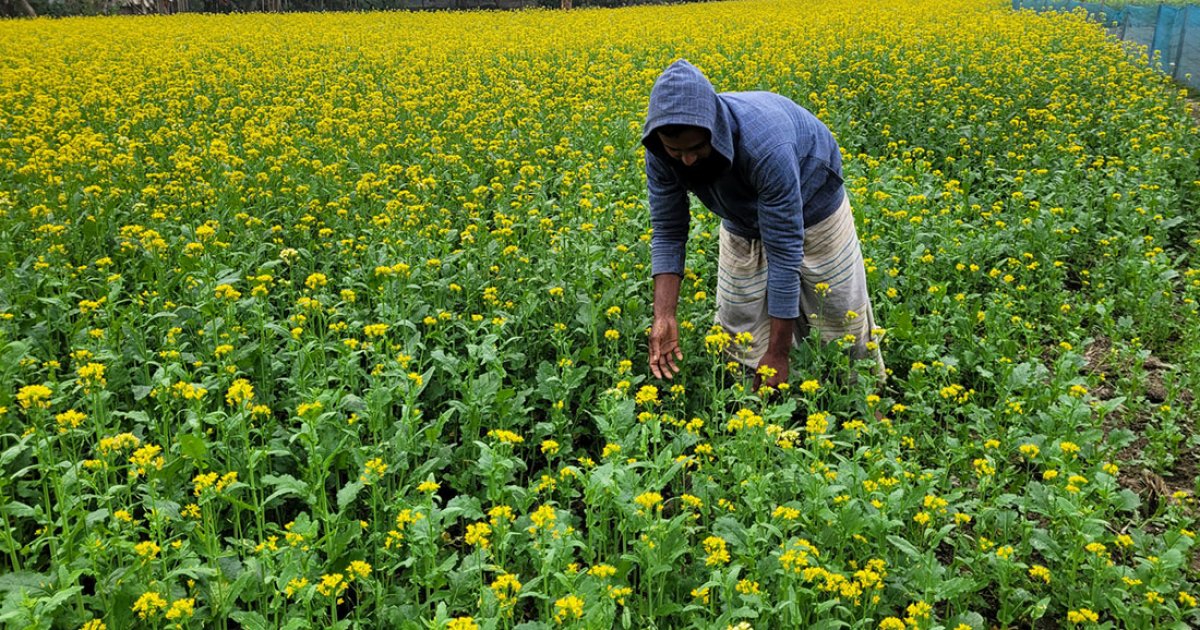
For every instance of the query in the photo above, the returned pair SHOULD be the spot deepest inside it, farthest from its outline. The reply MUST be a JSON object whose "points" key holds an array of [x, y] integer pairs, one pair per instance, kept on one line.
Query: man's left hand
{"points": [[777, 364], [776, 358]]}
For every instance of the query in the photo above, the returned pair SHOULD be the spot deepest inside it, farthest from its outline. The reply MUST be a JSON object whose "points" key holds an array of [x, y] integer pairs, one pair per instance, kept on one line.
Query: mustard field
{"points": [[339, 321]]}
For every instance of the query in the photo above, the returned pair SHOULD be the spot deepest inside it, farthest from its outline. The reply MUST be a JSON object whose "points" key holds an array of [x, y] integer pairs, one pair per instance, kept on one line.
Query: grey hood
{"points": [[682, 95]]}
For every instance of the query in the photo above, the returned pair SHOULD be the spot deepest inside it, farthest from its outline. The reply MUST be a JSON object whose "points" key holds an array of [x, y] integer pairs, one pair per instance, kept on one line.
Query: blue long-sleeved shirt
{"points": [[781, 172]]}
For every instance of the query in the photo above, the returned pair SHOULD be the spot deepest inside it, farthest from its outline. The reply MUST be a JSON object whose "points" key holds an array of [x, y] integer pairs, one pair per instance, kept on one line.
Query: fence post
{"points": [[1187, 14], [1154, 38]]}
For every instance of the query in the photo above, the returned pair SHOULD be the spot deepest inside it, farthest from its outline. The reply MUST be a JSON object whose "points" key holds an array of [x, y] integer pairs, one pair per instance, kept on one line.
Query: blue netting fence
{"points": [[1171, 34]]}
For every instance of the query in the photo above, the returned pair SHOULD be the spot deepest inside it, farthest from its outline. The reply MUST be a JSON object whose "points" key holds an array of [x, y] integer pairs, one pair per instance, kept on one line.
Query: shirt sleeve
{"points": [[669, 217], [776, 177]]}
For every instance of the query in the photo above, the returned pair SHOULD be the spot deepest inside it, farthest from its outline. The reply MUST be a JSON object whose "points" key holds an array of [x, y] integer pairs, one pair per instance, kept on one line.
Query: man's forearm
{"points": [[780, 343], [666, 294]]}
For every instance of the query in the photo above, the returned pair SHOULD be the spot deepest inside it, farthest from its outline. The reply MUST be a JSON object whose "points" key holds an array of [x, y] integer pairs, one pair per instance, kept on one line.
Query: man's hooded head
{"points": [[687, 125]]}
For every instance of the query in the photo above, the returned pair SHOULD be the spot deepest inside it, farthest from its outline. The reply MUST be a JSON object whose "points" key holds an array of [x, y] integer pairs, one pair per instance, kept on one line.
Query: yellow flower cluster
{"points": [[647, 396], [506, 587], [395, 536], [865, 581], [240, 392], [146, 457], [34, 396], [649, 501], [373, 470], [505, 437], [462, 623], [717, 550], [477, 535], [743, 419], [332, 584], [92, 376], [543, 518], [211, 480], [67, 420], [569, 607], [797, 554]]}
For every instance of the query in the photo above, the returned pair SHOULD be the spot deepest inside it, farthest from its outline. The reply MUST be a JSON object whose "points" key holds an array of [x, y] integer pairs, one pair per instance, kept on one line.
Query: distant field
{"points": [[338, 320], [1146, 3]]}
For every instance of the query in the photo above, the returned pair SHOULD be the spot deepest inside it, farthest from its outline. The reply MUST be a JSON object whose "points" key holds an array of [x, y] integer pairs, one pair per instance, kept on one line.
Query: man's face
{"points": [[689, 147]]}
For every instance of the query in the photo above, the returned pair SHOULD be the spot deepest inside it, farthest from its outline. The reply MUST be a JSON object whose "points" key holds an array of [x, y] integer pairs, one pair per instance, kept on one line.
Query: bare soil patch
{"points": [[1154, 489], [1193, 106]]}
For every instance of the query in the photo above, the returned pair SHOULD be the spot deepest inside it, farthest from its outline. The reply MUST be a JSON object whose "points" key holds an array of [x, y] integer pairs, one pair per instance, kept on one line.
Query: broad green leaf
{"points": [[250, 620], [193, 446], [285, 485], [904, 546], [1127, 500], [347, 494]]}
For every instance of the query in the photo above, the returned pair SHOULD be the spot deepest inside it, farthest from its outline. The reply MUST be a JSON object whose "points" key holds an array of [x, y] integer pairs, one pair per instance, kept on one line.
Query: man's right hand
{"points": [[664, 347]]}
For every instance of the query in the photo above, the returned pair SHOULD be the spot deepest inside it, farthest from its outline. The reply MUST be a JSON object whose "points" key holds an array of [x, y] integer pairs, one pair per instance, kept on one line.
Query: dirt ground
{"points": [[1154, 489]]}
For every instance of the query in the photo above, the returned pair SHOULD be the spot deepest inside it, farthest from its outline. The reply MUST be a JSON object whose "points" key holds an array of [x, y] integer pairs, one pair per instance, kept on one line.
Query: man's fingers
{"points": [[673, 355], [667, 366], [664, 352], [662, 362], [670, 369], [654, 360]]}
